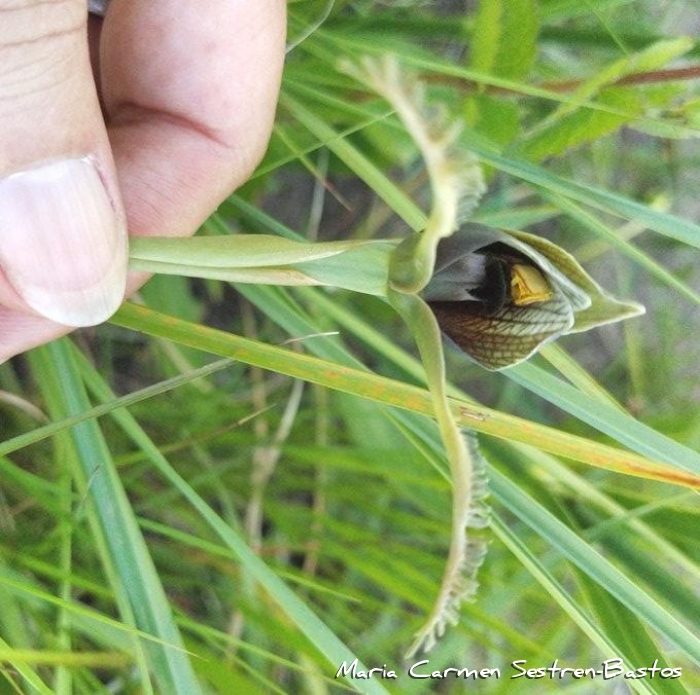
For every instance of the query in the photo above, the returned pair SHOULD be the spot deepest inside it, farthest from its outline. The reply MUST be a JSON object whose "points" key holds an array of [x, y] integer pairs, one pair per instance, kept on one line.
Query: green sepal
{"points": [[603, 308]]}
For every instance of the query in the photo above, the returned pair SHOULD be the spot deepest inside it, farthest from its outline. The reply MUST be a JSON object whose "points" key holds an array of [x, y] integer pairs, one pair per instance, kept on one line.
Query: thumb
{"points": [[62, 228]]}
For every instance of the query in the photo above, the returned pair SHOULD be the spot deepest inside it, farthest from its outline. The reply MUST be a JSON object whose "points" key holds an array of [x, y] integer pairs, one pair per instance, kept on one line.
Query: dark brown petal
{"points": [[506, 337]]}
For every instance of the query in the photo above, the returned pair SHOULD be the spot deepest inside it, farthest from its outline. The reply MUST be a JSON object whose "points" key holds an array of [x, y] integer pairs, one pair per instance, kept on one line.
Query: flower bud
{"points": [[501, 296]]}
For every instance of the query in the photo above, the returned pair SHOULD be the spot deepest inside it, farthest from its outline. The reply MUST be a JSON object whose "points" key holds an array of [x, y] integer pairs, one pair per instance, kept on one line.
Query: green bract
{"points": [[501, 296]]}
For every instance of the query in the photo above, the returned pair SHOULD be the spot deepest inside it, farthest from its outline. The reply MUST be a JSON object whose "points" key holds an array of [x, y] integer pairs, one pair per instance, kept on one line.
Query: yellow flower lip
{"points": [[528, 285], [505, 277]]}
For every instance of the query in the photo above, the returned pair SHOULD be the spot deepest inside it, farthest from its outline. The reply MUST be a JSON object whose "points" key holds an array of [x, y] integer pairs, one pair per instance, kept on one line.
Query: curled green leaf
{"points": [[456, 180], [501, 296], [469, 486], [356, 265]]}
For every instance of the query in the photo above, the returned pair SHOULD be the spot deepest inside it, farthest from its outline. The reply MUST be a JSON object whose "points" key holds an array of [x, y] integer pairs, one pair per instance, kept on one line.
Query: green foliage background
{"points": [[234, 529]]}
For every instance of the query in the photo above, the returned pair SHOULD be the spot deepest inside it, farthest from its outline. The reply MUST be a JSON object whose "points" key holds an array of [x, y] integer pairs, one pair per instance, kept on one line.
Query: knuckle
{"points": [[36, 41]]}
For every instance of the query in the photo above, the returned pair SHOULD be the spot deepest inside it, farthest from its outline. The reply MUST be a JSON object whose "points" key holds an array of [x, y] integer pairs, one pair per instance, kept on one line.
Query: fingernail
{"points": [[62, 242]]}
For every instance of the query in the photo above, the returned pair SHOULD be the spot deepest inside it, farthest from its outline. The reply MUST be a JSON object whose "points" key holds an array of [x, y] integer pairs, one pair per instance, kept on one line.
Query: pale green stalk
{"points": [[456, 186], [468, 484]]}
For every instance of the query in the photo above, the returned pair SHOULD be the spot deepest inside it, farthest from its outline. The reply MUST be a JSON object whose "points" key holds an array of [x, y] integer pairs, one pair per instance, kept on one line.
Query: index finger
{"points": [[189, 91]]}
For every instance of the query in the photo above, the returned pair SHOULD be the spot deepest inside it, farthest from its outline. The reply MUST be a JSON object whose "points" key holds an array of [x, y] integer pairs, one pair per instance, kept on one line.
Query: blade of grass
{"points": [[36, 435], [168, 660], [308, 623], [669, 225], [579, 377], [586, 623], [359, 164], [23, 669], [588, 221], [673, 227], [605, 418], [368, 385], [593, 564]]}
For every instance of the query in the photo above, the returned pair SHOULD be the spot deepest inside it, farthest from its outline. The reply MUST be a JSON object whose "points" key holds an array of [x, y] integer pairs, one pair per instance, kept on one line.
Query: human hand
{"points": [[188, 94]]}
